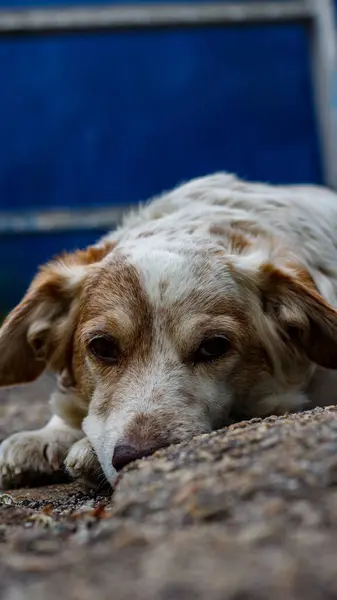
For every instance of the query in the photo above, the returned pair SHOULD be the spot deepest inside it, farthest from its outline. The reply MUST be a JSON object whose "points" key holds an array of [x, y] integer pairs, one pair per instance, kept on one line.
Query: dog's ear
{"points": [[38, 332], [302, 316]]}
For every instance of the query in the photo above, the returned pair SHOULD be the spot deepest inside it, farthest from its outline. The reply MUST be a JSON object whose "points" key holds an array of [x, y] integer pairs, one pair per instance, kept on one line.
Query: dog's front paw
{"points": [[33, 457], [82, 464]]}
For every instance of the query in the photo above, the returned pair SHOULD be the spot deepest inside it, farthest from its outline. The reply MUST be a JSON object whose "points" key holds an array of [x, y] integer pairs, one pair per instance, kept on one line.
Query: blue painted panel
{"points": [[29, 3], [116, 118], [94, 120], [20, 256]]}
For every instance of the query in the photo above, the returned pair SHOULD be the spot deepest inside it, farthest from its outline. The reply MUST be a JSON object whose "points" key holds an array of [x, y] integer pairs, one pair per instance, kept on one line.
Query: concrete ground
{"points": [[246, 513]]}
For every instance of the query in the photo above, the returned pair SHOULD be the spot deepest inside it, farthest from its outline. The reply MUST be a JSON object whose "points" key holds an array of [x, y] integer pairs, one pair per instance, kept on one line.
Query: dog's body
{"points": [[215, 300]]}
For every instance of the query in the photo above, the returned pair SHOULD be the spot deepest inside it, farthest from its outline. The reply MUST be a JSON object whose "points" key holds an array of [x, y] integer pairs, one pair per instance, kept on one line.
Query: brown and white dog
{"points": [[215, 300]]}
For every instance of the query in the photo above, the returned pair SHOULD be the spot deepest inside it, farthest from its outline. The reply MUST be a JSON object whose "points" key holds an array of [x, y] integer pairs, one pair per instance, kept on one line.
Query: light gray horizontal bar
{"points": [[103, 219], [99, 18]]}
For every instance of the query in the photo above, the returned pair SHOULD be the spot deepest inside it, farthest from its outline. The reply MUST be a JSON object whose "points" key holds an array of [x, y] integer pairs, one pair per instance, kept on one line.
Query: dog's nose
{"points": [[125, 453]]}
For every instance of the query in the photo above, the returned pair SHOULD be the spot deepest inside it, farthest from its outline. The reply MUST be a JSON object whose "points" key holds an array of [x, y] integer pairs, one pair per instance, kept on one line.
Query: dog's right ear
{"points": [[38, 332], [293, 304]]}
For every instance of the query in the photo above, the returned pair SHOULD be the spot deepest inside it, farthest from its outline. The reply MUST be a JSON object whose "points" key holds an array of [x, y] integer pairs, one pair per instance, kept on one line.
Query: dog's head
{"points": [[164, 341]]}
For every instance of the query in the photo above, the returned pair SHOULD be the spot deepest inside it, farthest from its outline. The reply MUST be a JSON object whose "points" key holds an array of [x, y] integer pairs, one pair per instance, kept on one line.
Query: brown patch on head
{"points": [[92, 254], [290, 273], [212, 308], [114, 303], [116, 284], [237, 238], [239, 241]]}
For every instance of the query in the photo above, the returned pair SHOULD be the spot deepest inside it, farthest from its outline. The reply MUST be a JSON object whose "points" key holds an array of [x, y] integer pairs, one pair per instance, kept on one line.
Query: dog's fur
{"points": [[256, 264]]}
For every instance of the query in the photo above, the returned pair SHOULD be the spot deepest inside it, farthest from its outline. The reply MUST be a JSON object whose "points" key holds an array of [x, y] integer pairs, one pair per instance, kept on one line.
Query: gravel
{"points": [[248, 512]]}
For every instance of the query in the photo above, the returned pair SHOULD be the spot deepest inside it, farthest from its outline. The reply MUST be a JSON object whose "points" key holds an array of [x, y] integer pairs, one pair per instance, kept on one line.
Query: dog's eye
{"points": [[104, 348], [211, 349]]}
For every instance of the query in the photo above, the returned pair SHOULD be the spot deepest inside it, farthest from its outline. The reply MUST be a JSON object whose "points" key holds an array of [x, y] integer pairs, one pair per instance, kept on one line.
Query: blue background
{"points": [[90, 120]]}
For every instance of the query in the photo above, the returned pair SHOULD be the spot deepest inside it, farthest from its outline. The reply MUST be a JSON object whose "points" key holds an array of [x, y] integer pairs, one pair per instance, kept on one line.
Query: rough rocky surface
{"points": [[249, 512]]}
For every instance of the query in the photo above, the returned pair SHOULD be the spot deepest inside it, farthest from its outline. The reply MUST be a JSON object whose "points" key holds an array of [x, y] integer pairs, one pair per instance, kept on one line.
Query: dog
{"points": [[215, 301]]}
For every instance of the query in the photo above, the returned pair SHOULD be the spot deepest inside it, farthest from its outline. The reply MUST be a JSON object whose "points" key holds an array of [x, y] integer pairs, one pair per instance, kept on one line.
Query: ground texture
{"points": [[246, 513]]}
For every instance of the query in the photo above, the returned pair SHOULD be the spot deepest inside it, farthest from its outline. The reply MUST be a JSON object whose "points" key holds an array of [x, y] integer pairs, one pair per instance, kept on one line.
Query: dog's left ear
{"points": [[38, 332], [290, 297]]}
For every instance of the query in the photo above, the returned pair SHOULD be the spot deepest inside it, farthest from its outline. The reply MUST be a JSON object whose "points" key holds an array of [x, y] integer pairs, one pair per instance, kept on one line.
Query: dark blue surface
{"points": [[29, 3], [91, 120], [116, 118], [21, 255]]}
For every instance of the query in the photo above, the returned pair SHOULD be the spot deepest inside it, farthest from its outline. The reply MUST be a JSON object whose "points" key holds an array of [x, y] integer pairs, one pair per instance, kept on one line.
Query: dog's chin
{"points": [[108, 469], [111, 475]]}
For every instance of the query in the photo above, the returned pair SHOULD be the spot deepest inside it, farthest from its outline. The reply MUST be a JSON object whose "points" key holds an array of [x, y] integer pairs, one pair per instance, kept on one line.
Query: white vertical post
{"points": [[324, 61]]}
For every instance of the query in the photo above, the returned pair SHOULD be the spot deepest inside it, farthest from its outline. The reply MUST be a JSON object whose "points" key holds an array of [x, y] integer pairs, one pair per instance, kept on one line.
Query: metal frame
{"points": [[317, 15], [112, 18], [324, 64]]}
